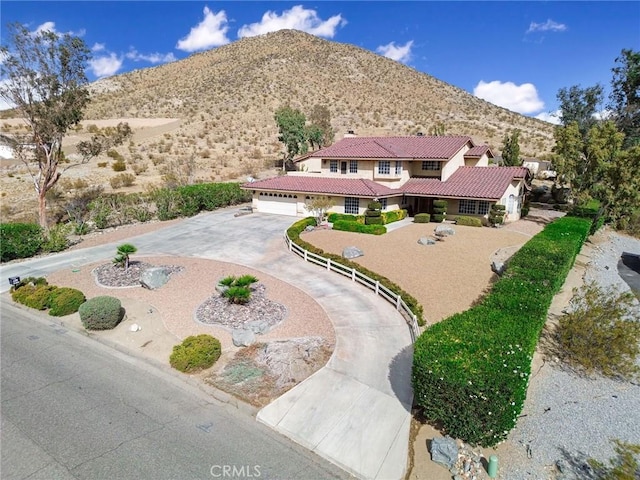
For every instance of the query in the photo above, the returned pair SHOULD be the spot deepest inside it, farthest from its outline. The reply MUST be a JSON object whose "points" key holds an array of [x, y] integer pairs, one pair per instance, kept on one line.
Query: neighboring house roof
{"points": [[478, 151], [468, 182], [357, 187], [419, 147]]}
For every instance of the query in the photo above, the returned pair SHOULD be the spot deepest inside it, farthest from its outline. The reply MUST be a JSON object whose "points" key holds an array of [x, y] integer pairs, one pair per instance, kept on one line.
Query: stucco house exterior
{"points": [[400, 172]]}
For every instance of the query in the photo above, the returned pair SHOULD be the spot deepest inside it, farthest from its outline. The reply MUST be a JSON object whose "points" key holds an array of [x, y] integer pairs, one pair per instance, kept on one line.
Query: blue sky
{"points": [[514, 54]]}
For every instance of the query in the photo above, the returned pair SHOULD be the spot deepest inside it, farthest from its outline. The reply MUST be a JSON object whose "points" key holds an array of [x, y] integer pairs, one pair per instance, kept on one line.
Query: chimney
{"points": [[350, 133]]}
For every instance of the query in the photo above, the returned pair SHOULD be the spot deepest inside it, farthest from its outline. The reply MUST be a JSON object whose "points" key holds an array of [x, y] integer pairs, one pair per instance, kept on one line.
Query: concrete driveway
{"points": [[355, 412]]}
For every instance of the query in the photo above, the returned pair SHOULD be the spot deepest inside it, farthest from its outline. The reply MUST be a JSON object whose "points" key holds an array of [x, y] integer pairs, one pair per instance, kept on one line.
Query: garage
{"points": [[278, 203]]}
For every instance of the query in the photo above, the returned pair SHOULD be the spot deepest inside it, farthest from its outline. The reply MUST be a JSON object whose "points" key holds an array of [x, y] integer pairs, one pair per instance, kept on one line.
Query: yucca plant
{"points": [[239, 295]]}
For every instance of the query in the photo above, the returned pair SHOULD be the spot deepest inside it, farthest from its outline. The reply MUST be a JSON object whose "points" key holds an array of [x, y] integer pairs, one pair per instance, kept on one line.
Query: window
{"points": [[398, 168], [430, 165], [353, 166], [483, 207], [351, 205], [384, 167], [383, 202], [467, 206], [333, 166]]}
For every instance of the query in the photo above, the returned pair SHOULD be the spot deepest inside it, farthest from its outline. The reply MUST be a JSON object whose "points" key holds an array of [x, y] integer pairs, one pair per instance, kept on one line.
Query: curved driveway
{"points": [[355, 411]]}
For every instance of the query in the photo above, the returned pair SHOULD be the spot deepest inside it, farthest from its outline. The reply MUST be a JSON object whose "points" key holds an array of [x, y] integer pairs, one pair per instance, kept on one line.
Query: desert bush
{"points": [[57, 238], [102, 164], [100, 211], [471, 370], [119, 165], [624, 466], [469, 221], [168, 203], [359, 228], [601, 332], [65, 301], [122, 180], [195, 353], [421, 218], [139, 167], [19, 240], [293, 232], [101, 313]]}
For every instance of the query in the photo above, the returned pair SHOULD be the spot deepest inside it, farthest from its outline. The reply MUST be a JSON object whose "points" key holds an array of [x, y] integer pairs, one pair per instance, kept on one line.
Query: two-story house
{"points": [[400, 172]]}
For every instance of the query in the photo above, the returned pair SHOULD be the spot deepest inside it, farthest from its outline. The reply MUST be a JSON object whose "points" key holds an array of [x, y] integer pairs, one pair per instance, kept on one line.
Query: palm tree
{"points": [[122, 258]]}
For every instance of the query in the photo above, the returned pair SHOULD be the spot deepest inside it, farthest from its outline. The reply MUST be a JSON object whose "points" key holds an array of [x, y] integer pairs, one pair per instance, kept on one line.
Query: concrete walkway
{"points": [[355, 411]]}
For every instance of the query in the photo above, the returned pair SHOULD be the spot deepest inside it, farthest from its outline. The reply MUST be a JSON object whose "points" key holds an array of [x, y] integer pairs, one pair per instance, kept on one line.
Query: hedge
{"points": [[469, 221], [471, 371], [19, 240], [294, 235], [393, 216], [333, 217], [347, 226], [421, 218]]}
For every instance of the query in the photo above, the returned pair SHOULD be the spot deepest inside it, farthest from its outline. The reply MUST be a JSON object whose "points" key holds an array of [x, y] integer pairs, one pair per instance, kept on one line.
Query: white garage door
{"points": [[280, 203]]}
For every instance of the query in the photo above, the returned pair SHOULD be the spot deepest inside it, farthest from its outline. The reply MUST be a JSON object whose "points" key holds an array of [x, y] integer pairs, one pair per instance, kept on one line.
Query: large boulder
{"points": [[154, 277], [498, 267], [426, 241], [444, 451], [243, 338], [352, 252], [259, 327], [445, 230]]}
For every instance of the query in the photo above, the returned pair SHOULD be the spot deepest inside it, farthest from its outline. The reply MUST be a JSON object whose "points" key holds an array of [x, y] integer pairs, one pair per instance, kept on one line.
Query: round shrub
{"points": [[65, 301], [39, 297], [101, 313], [374, 206], [195, 353], [421, 218]]}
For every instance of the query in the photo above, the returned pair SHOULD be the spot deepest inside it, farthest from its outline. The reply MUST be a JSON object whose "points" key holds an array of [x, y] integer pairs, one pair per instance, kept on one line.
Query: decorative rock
{"points": [[309, 228], [426, 241], [243, 338], [352, 252], [135, 327], [498, 267], [154, 277], [445, 230], [444, 450], [259, 327]]}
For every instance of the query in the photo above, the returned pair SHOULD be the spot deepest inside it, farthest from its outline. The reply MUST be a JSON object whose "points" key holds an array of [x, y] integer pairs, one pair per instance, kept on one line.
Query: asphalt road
{"points": [[75, 409], [629, 270]]}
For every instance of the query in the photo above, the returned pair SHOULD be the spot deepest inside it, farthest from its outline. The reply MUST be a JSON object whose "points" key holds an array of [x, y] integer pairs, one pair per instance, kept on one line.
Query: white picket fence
{"points": [[362, 279]]}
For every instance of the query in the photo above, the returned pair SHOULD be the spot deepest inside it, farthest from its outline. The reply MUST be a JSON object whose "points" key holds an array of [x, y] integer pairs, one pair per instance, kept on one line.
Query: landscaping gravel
{"points": [[568, 418]]}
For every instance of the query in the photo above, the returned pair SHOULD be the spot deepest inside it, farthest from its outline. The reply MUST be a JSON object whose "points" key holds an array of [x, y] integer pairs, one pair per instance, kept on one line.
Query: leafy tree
{"points": [[511, 149], [315, 136], [122, 258], [293, 134], [580, 105], [625, 96], [43, 75], [318, 207], [320, 127]]}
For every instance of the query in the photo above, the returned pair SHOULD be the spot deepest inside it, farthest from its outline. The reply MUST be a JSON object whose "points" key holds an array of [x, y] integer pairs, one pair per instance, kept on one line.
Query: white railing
{"points": [[362, 279]]}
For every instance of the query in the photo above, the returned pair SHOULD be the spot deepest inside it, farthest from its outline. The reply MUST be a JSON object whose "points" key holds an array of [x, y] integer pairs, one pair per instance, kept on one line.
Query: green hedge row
{"points": [[294, 234], [333, 217], [471, 371], [347, 226], [188, 200], [19, 240], [38, 294], [421, 218], [394, 216], [387, 217], [468, 221]]}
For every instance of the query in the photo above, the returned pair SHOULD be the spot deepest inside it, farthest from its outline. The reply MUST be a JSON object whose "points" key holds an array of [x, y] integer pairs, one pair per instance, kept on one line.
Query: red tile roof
{"points": [[357, 187], [478, 151], [443, 147], [467, 182]]}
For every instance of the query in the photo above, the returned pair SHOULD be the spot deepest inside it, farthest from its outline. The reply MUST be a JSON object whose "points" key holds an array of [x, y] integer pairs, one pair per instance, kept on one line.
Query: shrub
{"points": [[195, 353], [438, 217], [65, 301], [471, 370], [496, 214], [122, 180], [58, 238], [101, 313], [624, 466], [374, 206], [601, 332], [119, 165], [333, 217], [393, 216], [237, 294], [359, 228], [245, 281], [19, 240], [469, 221], [421, 218], [34, 296], [122, 256], [372, 213]]}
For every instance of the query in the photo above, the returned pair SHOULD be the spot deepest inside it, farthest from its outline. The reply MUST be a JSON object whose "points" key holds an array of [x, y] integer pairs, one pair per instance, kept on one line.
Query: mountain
{"points": [[226, 98]]}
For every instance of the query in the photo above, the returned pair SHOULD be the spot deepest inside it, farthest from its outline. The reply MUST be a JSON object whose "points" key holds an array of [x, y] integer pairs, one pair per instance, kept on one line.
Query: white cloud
{"points": [[548, 26], [105, 66], [297, 18], [153, 58], [46, 27], [551, 117], [603, 114], [210, 32], [518, 98], [401, 53], [98, 47]]}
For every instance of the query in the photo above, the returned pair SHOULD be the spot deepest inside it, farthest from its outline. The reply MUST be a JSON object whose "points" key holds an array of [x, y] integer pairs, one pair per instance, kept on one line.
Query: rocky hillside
{"points": [[226, 98]]}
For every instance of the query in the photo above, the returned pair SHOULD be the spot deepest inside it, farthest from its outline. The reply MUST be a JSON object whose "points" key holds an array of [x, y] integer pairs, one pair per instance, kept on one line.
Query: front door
{"points": [[424, 205]]}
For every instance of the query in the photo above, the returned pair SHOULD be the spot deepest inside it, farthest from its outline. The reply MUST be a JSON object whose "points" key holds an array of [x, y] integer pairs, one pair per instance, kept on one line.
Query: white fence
{"points": [[362, 279]]}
